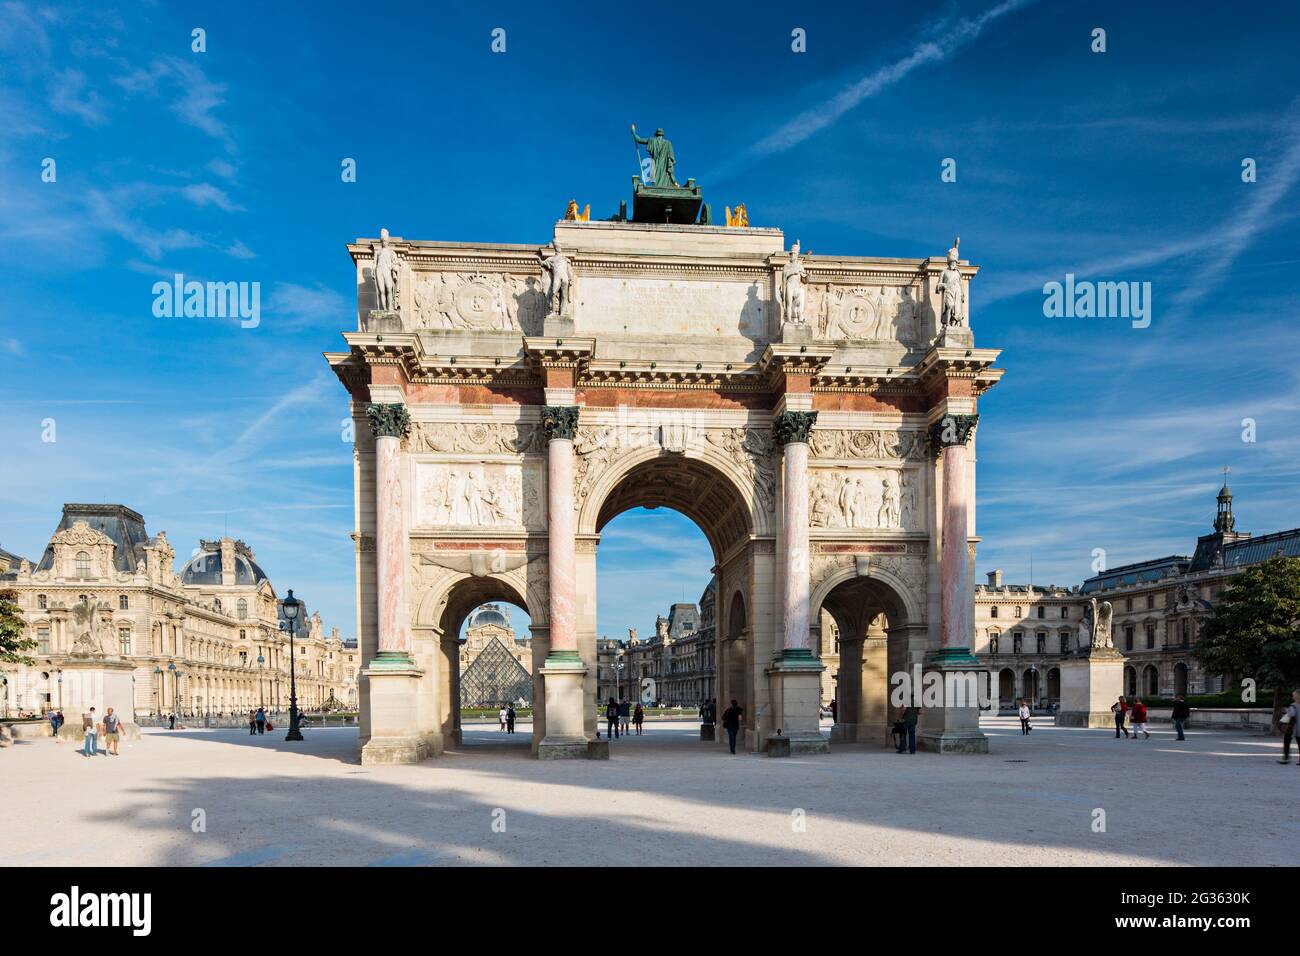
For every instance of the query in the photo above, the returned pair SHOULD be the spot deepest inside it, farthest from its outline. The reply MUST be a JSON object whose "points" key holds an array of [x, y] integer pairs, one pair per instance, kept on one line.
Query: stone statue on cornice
{"points": [[386, 272], [952, 292], [557, 273], [792, 291]]}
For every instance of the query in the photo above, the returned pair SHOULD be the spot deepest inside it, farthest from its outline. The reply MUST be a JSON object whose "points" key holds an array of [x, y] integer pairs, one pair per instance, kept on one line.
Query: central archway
{"points": [[720, 499]]}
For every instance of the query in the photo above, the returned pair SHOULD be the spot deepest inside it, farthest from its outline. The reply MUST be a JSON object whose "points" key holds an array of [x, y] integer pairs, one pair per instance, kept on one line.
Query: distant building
{"points": [[1159, 607], [680, 658], [495, 665], [204, 641]]}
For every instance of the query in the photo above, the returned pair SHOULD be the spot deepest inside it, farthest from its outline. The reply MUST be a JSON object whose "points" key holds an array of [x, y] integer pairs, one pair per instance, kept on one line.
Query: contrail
{"points": [[955, 35]]}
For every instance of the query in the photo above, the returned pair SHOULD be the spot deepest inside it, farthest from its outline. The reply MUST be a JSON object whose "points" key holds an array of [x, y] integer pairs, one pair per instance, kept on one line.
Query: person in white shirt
{"points": [[501, 717], [1024, 717]]}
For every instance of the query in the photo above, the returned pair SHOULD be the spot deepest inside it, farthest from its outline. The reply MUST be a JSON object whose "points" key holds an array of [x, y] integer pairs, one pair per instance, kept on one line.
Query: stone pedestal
{"points": [[1090, 683], [795, 685], [565, 737], [100, 683], [954, 728], [382, 320], [557, 325], [796, 333], [394, 719], [956, 337]]}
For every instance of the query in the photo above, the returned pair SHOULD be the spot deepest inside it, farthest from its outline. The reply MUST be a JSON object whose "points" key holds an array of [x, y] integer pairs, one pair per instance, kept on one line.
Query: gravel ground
{"points": [[221, 797]]}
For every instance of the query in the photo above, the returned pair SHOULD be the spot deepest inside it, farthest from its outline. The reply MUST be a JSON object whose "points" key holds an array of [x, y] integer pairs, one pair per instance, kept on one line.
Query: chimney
{"points": [[995, 578], [227, 562]]}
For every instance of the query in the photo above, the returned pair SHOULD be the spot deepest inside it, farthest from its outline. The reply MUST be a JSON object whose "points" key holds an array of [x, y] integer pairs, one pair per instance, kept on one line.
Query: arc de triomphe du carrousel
{"points": [[815, 415]]}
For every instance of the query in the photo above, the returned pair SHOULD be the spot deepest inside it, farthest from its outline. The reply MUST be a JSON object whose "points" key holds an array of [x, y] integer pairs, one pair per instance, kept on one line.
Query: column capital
{"points": [[560, 421], [388, 421], [952, 430], [792, 427]]}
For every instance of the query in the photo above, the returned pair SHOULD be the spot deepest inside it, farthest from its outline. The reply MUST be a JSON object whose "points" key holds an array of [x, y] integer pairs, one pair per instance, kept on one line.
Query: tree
{"points": [[1255, 629], [12, 642]]}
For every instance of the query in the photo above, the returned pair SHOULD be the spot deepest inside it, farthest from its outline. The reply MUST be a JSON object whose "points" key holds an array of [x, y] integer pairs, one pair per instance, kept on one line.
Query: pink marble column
{"points": [[956, 600], [389, 423], [560, 424], [791, 430]]}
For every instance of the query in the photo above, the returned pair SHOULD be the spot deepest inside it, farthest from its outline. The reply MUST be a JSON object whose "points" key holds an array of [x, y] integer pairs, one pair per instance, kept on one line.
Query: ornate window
{"points": [[1042, 611], [124, 639], [1151, 601], [242, 609], [42, 640], [1128, 638], [1128, 604], [41, 601], [1065, 612], [83, 564], [1151, 636], [1042, 642], [993, 642], [123, 602]]}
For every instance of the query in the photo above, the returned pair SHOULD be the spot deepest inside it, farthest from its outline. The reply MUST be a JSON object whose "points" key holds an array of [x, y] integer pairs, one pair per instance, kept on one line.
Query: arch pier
{"points": [[814, 415]]}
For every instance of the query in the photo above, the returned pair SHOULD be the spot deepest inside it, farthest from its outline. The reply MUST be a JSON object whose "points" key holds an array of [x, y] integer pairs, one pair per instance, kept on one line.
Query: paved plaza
{"points": [[665, 799]]}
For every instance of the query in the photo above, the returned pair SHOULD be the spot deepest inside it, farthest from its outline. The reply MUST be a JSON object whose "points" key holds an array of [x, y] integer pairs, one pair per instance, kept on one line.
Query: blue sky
{"points": [[225, 165]]}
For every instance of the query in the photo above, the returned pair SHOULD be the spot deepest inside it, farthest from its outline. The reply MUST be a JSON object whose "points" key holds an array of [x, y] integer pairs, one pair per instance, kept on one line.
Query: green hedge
{"points": [[1227, 699]]}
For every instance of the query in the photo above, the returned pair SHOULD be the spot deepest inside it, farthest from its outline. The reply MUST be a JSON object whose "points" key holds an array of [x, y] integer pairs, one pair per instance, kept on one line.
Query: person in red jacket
{"points": [[1140, 719]]}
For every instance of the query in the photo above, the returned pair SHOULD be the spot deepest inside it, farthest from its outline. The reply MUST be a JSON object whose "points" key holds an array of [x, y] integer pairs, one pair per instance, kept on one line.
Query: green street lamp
{"points": [[291, 607], [261, 663]]}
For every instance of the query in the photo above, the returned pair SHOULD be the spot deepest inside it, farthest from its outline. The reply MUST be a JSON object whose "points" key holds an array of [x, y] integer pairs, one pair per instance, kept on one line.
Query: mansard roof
{"points": [[205, 569], [121, 524], [1254, 550], [1143, 572]]}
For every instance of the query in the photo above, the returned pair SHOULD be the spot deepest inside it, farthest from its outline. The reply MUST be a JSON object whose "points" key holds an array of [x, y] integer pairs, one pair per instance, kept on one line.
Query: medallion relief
{"points": [[867, 313], [479, 302]]}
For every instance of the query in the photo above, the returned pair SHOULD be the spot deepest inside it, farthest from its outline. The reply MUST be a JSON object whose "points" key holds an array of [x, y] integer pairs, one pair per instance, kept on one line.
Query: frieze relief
{"points": [[886, 499], [874, 444], [485, 438], [477, 495], [478, 302], [866, 313], [753, 451]]}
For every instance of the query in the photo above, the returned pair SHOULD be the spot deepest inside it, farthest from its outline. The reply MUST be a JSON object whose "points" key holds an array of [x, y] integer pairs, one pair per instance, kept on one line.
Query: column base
{"points": [[953, 727], [395, 735], [563, 676], [795, 685], [1094, 718], [707, 732], [952, 742]]}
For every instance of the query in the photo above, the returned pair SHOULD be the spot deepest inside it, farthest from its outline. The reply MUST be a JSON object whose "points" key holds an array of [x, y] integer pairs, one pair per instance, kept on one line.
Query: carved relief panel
{"points": [[866, 313], [477, 302], [480, 495], [884, 499]]}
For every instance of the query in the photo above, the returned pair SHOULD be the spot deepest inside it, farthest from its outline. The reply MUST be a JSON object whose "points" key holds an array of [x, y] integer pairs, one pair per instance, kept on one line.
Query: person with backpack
{"points": [[611, 719], [1120, 710], [260, 717], [1140, 719], [510, 718]]}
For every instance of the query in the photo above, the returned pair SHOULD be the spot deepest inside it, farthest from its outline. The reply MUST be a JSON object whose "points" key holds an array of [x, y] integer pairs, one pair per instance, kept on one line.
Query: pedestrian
{"points": [[501, 718], [252, 723], [54, 722], [61, 719], [260, 717], [90, 730], [1289, 719], [1120, 709], [1179, 715], [638, 718], [112, 732], [171, 721], [1140, 719], [907, 732], [835, 712], [731, 718], [611, 719], [510, 718], [625, 715], [1025, 714]]}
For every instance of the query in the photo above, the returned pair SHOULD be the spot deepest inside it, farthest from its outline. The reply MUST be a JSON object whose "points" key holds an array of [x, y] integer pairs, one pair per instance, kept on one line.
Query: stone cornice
{"points": [[780, 359], [974, 364]]}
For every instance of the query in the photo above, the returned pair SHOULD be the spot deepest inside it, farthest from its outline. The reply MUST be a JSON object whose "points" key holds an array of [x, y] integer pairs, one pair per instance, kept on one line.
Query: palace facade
{"points": [[1159, 606], [105, 599], [495, 665]]}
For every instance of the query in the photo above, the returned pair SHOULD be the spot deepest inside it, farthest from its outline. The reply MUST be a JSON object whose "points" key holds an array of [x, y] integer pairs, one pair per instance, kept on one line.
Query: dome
{"points": [[205, 569], [489, 614]]}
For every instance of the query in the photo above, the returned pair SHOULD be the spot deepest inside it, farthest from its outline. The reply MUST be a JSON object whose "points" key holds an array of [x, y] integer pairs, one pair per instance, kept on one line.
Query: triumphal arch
{"points": [[815, 415]]}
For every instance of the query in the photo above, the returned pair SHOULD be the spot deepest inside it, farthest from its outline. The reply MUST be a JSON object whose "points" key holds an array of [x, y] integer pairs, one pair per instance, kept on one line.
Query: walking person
{"points": [[611, 719], [638, 718], [1025, 714], [1179, 715], [1289, 719], [171, 721], [53, 717], [90, 731], [510, 718], [260, 717], [112, 732], [907, 730], [731, 722], [1140, 719], [501, 719], [625, 715], [252, 723], [1120, 710]]}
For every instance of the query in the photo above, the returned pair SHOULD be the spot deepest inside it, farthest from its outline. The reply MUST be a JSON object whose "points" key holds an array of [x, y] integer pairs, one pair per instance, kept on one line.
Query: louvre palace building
{"points": [[116, 625], [1023, 632]]}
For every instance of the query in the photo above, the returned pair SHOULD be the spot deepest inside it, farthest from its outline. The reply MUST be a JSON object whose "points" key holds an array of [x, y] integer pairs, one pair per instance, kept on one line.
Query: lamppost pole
{"points": [[157, 691], [291, 606], [261, 698]]}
